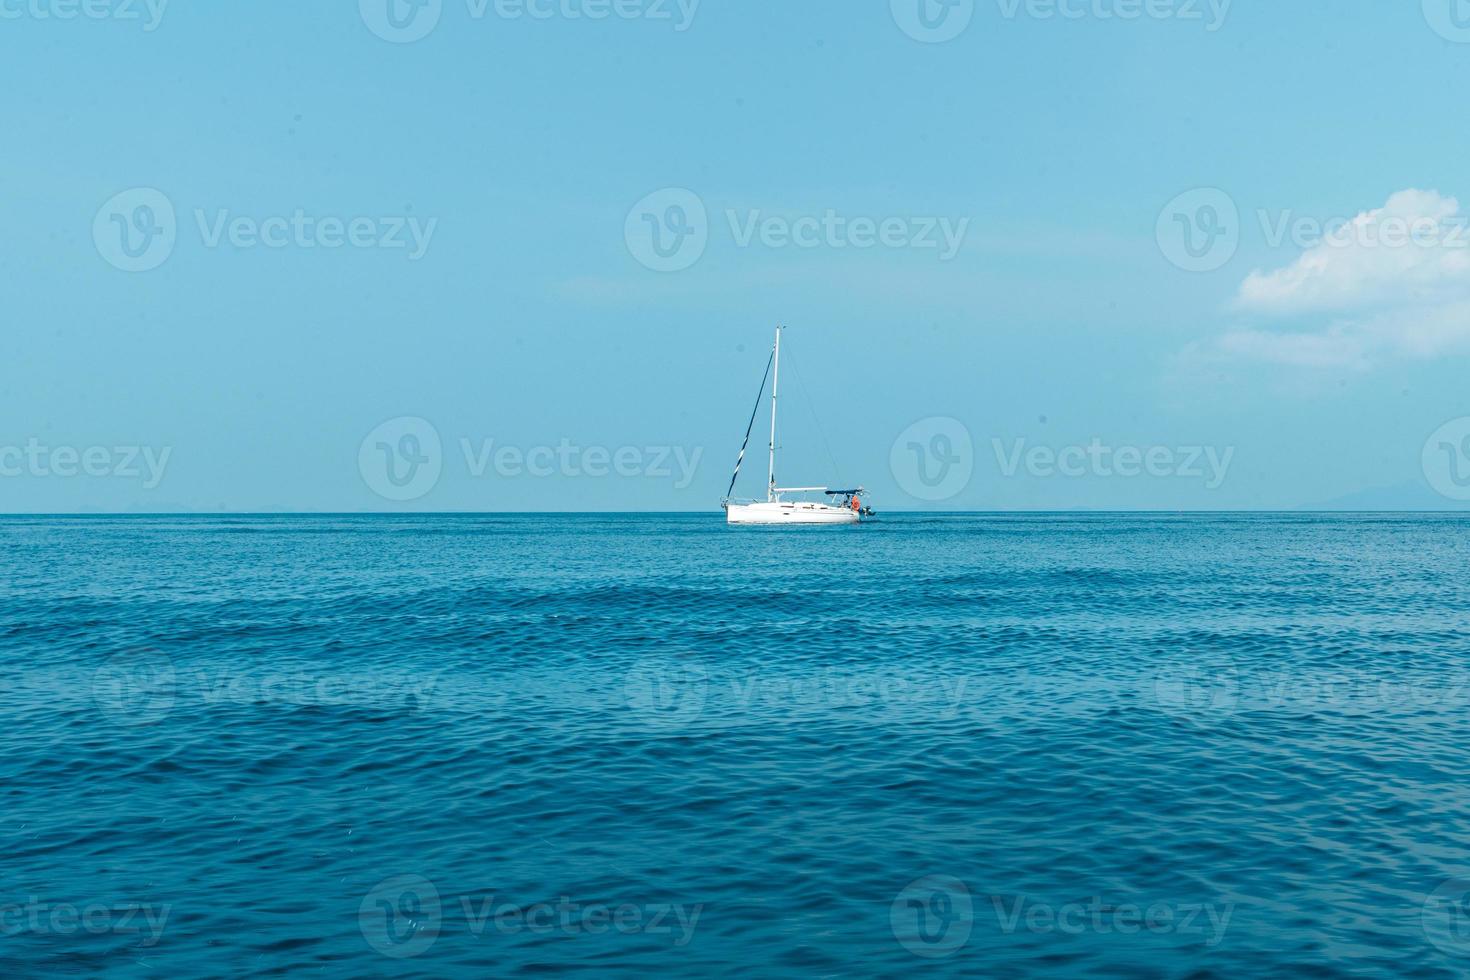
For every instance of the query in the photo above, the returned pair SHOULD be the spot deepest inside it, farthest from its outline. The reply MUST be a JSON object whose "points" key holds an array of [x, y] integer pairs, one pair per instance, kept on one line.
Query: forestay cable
{"points": [[758, 395]]}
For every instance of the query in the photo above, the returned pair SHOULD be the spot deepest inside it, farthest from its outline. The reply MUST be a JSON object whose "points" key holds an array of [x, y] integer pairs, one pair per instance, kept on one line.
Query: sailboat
{"points": [[846, 506]]}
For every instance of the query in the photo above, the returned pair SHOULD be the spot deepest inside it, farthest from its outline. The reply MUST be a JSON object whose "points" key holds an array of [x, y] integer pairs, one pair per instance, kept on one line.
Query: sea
{"points": [[1110, 745]]}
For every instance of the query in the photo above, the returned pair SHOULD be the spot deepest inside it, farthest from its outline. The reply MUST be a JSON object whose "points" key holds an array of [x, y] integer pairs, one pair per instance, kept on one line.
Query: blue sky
{"points": [[975, 240]]}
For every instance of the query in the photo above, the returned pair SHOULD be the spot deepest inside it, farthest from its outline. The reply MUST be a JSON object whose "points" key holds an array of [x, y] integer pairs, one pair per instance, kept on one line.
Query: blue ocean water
{"points": [[1152, 746]]}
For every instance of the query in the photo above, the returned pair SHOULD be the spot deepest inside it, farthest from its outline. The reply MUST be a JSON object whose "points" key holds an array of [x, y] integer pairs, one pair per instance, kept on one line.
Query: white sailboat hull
{"points": [[792, 512]]}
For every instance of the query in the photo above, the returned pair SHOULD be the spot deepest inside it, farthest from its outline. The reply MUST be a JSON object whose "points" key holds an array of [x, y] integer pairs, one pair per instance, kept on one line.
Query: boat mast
{"points": [[775, 383]]}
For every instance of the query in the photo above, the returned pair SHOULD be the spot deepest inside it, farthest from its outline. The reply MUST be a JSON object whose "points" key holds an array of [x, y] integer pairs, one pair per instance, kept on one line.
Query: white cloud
{"points": [[1335, 347], [1395, 282], [1414, 249]]}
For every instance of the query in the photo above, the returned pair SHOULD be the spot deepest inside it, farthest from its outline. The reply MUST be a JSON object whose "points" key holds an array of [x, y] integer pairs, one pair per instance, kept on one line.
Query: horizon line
{"points": [[708, 512]]}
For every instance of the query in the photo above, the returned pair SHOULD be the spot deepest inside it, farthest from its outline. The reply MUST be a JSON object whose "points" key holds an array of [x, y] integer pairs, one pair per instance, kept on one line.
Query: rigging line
{"points": [[801, 383], [758, 395]]}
